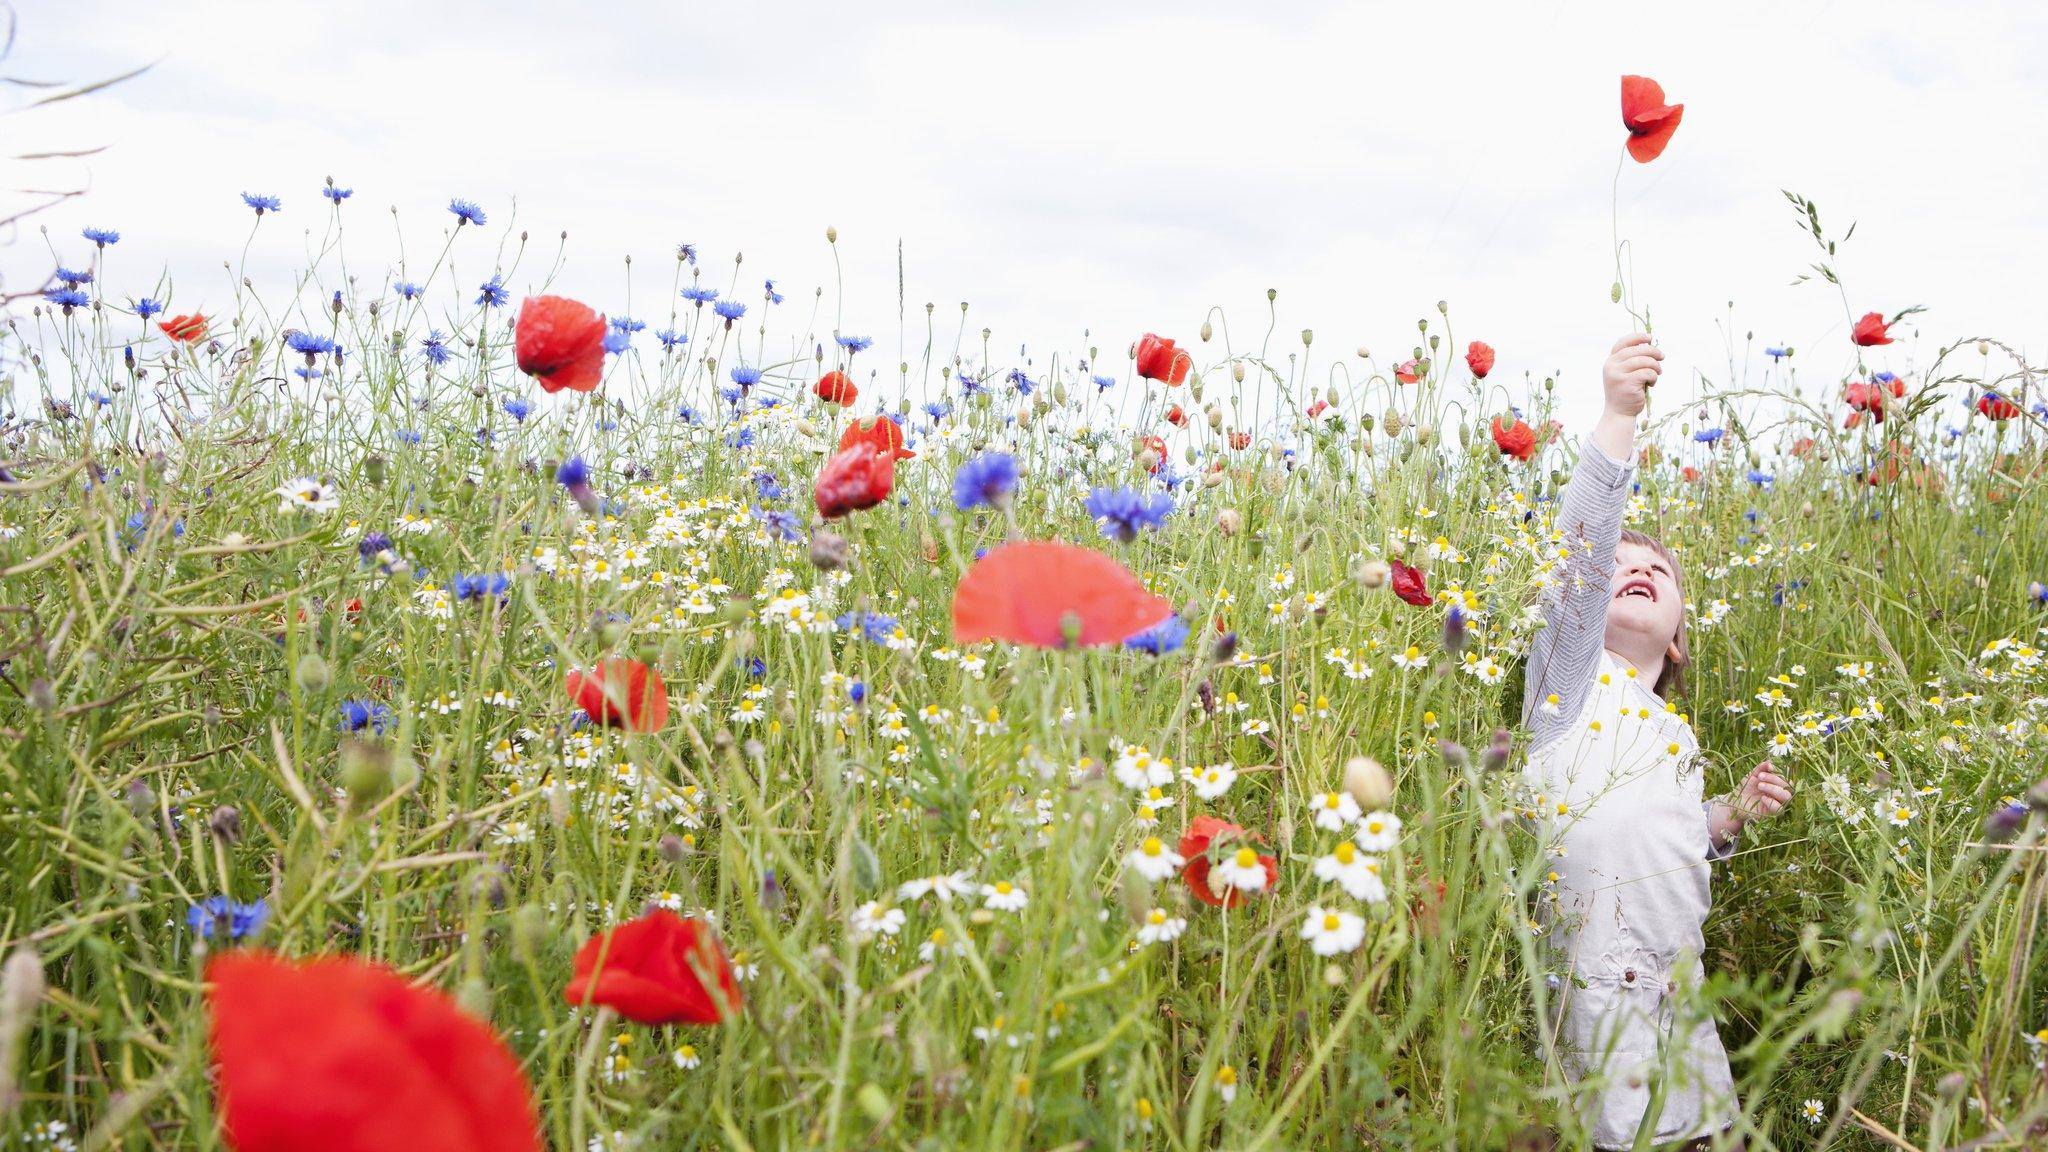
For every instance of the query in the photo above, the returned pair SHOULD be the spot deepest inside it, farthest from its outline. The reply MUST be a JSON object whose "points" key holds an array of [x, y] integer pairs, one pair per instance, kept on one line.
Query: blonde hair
{"points": [[1672, 680]]}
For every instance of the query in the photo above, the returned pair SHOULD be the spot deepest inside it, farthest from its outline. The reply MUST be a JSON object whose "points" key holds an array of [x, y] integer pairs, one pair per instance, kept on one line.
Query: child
{"points": [[1618, 773]]}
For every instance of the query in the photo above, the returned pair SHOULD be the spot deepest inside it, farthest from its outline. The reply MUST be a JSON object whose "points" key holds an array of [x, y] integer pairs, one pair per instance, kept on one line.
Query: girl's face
{"points": [[1646, 606]]}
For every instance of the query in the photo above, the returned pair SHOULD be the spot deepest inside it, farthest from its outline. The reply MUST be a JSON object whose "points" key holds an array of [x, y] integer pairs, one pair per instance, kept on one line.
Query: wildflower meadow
{"points": [[439, 713]]}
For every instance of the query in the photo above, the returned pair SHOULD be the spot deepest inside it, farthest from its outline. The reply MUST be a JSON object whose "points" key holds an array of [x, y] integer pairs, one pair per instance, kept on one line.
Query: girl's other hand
{"points": [[1763, 793], [1631, 368]]}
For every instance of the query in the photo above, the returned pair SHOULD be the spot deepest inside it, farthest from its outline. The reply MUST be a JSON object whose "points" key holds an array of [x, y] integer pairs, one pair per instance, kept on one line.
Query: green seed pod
{"points": [[313, 674]]}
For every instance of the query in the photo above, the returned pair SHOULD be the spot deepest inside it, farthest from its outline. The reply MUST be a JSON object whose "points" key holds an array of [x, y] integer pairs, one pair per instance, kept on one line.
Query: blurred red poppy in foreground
{"points": [[1871, 330], [1515, 439], [882, 435], [645, 696], [560, 342], [1479, 358], [1997, 407], [1158, 359], [859, 477], [184, 329], [340, 1055], [1194, 846], [1409, 584], [1037, 591], [1176, 417], [659, 969], [1650, 121], [1802, 446], [1691, 474], [836, 387]]}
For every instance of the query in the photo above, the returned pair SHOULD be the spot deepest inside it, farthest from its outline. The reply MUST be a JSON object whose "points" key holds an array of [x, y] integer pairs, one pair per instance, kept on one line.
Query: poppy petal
{"points": [[1024, 592]]}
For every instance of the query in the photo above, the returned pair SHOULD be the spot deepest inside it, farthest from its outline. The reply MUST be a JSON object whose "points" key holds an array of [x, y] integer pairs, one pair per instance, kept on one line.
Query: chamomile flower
{"points": [[1330, 932], [1352, 870], [1378, 832], [1212, 782], [1813, 1112], [1334, 811], [1160, 927], [1411, 659], [306, 495], [1003, 896], [871, 920], [1154, 860], [1242, 870]]}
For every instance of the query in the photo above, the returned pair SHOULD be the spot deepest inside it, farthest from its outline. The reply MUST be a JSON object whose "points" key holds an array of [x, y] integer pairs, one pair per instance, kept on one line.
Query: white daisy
{"points": [[1378, 832], [1242, 870], [1154, 860], [1160, 927], [1334, 811], [1003, 896], [307, 495], [1330, 932]]}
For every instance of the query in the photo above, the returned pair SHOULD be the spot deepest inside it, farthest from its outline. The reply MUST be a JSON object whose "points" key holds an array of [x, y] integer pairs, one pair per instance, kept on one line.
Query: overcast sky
{"points": [[1071, 166]]}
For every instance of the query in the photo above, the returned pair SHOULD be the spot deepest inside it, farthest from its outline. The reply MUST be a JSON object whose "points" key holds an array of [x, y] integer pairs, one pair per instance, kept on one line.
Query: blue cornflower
{"points": [[782, 522], [985, 479], [435, 347], [308, 374], [146, 307], [1166, 636], [466, 213], [1752, 515], [220, 914], [1023, 382], [687, 253], [731, 395], [774, 297], [262, 204], [412, 436], [700, 296], [337, 194], [493, 294], [309, 344], [1121, 512], [616, 342], [1104, 383], [969, 384], [768, 486], [73, 279], [357, 715], [686, 414], [102, 236], [672, 339], [373, 545], [407, 290], [873, 626], [572, 473], [1777, 353], [128, 356], [1883, 377], [2038, 591], [627, 324], [1760, 478], [729, 310], [746, 375], [1709, 435], [519, 408], [856, 691], [938, 409], [855, 343], [478, 587], [745, 439], [67, 299]]}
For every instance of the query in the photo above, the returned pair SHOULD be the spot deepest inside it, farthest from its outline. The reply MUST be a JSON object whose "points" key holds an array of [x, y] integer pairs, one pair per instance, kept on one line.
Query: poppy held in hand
{"points": [[1650, 121], [184, 329], [1194, 846], [858, 477], [659, 969], [560, 342], [1870, 331], [1515, 439], [637, 700], [1050, 595], [1479, 358], [880, 435], [340, 1055], [1158, 359], [836, 387], [1408, 583]]}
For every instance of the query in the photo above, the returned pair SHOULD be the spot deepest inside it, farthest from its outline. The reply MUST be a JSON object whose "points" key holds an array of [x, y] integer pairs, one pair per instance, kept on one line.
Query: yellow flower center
{"points": [[1246, 858], [1346, 852], [1152, 846]]}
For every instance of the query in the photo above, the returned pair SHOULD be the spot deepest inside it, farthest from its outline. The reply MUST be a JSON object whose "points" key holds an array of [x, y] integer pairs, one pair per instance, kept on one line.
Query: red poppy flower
{"points": [[341, 1055], [1649, 120], [1409, 584], [1194, 846], [560, 342], [1691, 474], [1408, 371], [1031, 591], [1479, 358], [1870, 330], [1515, 439], [1176, 417], [858, 477], [1240, 440], [1318, 408], [1863, 398], [1997, 407], [880, 434], [646, 697], [1157, 447], [836, 387], [1802, 446], [184, 329], [1158, 359], [659, 969]]}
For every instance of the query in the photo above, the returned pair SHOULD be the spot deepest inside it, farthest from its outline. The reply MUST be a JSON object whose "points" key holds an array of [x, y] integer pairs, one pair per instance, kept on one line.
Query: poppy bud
{"points": [[1394, 423], [1368, 783], [1454, 631], [1224, 652], [1373, 574], [1212, 480], [1614, 293], [1952, 1085], [1308, 337], [365, 770], [1229, 522], [1206, 331], [1983, 349], [530, 930], [1215, 417], [1454, 754], [226, 823], [374, 469], [1496, 755], [313, 673], [141, 799], [1237, 372], [831, 234], [828, 550], [1424, 433]]}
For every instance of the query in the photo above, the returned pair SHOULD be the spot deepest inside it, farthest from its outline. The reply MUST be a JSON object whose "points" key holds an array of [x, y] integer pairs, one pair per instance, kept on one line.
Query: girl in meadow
{"points": [[1616, 772]]}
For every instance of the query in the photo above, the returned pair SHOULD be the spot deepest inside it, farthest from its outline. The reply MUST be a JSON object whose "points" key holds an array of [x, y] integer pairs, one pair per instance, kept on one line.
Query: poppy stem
{"points": [[598, 1027]]}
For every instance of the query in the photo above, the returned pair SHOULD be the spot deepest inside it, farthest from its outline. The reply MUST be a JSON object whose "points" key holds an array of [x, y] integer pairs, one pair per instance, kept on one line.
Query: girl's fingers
{"points": [[1631, 338]]}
